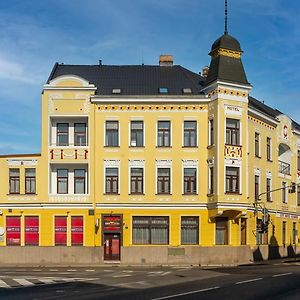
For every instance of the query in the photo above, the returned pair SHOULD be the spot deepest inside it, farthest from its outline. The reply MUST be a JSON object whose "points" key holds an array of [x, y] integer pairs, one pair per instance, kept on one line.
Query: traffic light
{"points": [[292, 188], [265, 226]]}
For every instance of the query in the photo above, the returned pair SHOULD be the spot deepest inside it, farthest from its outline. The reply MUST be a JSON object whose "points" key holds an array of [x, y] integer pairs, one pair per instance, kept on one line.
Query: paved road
{"points": [[270, 281]]}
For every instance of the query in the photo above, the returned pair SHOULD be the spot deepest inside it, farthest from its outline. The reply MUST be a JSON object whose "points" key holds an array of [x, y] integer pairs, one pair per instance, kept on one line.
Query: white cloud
{"points": [[14, 71]]}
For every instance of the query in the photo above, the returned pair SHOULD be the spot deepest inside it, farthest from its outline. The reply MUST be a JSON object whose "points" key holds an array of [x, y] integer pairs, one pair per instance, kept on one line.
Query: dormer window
{"points": [[163, 90], [116, 91], [186, 90]]}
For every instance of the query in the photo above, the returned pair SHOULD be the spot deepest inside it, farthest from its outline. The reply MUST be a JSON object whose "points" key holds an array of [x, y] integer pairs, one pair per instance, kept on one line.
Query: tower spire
{"points": [[226, 13]]}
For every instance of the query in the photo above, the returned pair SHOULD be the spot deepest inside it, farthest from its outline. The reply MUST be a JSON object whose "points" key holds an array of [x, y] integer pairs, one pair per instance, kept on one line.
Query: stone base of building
{"points": [[150, 255]]}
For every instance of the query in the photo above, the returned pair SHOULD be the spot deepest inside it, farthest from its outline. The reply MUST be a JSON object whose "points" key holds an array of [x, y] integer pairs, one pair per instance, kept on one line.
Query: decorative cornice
{"points": [[226, 52]]}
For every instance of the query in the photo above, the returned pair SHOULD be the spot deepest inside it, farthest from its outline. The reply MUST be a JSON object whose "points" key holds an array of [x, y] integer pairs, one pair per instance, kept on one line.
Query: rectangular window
{"points": [[243, 231], [284, 191], [164, 134], [150, 230], [259, 232], [256, 187], [256, 144], [268, 189], [294, 233], [30, 181], [112, 134], [14, 181], [76, 231], [163, 181], [80, 134], [60, 231], [136, 180], [298, 195], [79, 181], [62, 137], [298, 160], [232, 180], [190, 181], [13, 231], [136, 133], [232, 132], [283, 233], [269, 153], [31, 231], [62, 181], [189, 230], [211, 132], [111, 180], [211, 180], [190, 134], [221, 231]]}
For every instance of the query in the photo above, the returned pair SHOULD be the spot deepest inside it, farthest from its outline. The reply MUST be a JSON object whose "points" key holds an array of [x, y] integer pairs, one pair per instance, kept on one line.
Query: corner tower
{"points": [[228, 88]]}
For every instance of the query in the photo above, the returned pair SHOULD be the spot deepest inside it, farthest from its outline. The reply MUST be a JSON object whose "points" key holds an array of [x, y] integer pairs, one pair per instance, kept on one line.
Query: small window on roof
{"points": [[186, 90], [163, 90], [116, 91]]}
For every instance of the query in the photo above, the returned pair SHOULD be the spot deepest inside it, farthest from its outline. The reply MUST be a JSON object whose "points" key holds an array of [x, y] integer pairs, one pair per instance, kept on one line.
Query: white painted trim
{"points": [[263, 116], [122, 99], [47, 206]]}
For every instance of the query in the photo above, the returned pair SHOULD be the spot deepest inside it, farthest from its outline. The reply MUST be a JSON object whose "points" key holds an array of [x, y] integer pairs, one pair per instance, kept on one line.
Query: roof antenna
{"points": [[226, 13]]}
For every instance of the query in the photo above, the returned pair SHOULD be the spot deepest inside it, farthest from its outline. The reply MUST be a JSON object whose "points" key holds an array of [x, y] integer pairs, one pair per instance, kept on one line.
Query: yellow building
{"points": [[154, 164]]}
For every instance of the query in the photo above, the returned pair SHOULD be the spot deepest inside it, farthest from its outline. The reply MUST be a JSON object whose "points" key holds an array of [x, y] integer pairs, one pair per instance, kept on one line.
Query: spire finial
{"points": [[226, 31]]}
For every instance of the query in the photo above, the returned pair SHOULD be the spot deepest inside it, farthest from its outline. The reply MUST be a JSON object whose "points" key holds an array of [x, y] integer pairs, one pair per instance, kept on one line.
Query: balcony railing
{"points": [[284, 168]]}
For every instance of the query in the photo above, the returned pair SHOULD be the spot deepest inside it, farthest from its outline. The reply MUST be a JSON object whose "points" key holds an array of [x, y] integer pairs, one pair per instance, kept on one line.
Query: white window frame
{"points": [[164, 163], [197, 132], [190, 163], [171, 132], [112, 164], [132, 165]]}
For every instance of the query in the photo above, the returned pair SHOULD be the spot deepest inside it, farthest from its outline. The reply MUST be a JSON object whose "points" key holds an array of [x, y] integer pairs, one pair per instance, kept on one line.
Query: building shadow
{"points": [[273, 247], [257, 255]]}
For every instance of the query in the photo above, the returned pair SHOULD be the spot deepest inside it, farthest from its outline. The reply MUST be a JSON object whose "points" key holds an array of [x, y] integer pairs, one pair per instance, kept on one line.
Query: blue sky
{"points": [[35, 34]]}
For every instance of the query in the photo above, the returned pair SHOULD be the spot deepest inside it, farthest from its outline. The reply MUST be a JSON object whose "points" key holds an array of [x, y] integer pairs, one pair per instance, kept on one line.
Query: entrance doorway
{"points": [[112, 246], [112, 236]]}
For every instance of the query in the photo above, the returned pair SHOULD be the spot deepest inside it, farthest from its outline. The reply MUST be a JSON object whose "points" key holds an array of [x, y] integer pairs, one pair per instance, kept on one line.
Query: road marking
{"points": [[46, 280], [187, 293], [122, 275], [71, 270], [53, 270], [90, 270], [165, 273], [37, 270], [250, 280], [282, 274], [4, 284], [23, 282], [107, 270]]}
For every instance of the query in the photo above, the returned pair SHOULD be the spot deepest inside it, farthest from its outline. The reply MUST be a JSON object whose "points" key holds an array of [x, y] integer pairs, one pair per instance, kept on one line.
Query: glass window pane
{"points": [[62, 173], [112, 125], [14, 172], [79, 173], [111, 171], [30, 172], [80, 127]]}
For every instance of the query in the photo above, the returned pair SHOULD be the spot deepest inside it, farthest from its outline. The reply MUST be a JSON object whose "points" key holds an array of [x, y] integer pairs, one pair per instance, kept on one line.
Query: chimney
{"points": [[205, 71], [166, 60]]}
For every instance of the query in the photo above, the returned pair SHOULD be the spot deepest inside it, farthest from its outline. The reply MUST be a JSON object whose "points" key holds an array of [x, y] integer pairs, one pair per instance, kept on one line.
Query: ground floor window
{"points": [[77, 231], [283, 233], [13, 231], [150, 230], [60, 231], [31, 230], [261, 234], [189, 230], [243, 231], [221, 231]]}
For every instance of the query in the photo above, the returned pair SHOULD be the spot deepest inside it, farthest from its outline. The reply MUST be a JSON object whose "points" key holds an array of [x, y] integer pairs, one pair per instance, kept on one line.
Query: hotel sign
{"points": [[233, 110]]}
